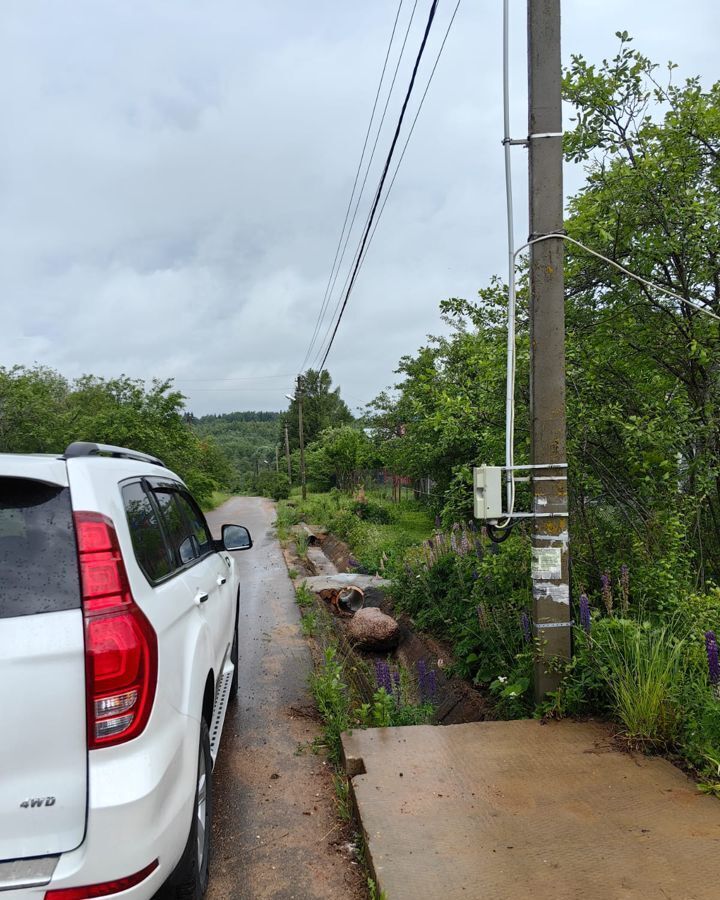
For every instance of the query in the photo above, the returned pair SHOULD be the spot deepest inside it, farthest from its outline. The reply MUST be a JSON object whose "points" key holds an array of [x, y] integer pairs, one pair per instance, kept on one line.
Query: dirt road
{"points": [[275, 833]]}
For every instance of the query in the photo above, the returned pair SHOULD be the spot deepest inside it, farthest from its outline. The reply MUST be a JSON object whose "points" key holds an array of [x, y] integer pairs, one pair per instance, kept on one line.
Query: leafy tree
{"points": [[339, 456], [644, 427], [42, 412], [322, 408], [643, 369], [247, 439]]}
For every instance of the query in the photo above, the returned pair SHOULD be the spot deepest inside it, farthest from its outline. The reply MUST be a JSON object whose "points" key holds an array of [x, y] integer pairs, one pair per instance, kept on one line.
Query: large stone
{"points": [[373, 630]]}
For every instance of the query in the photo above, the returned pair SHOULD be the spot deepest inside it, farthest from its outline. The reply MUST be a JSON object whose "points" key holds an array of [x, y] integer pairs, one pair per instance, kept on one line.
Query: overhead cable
{"points": [[399, 162], [367, 173], [328, 289], [410, 133], [378, 193]]}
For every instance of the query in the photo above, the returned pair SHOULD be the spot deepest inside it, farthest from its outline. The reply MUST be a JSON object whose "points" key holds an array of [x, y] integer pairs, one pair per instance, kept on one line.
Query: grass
{"points": [[308, 623], [304, 597], [642, 667], [377, 546], [217, 499], [302, 541]]}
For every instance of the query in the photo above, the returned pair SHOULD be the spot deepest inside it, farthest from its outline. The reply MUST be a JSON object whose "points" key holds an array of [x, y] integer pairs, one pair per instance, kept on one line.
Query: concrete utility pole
{"points": [[299, 395], [551, 590], [287, 454]]}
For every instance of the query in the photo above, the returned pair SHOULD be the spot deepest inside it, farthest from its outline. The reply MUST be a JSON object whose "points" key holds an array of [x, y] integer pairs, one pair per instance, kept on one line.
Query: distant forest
{"points": [[248, 439]]}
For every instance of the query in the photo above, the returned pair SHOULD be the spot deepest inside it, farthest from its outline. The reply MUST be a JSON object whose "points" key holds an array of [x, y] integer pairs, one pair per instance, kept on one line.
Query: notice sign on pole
{"points": [[546, 562]]}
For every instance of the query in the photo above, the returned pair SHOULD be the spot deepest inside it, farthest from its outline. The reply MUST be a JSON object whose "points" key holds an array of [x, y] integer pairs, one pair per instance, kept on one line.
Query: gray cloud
{"points": [[174, 177]]}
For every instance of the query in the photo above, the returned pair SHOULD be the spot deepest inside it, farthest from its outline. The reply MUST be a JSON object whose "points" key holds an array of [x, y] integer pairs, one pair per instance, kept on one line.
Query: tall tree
{"points": [[322, 408]]}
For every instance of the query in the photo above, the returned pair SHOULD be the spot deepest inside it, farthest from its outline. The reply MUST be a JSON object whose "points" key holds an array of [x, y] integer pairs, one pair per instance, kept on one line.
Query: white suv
{"points": [[118, 657]]}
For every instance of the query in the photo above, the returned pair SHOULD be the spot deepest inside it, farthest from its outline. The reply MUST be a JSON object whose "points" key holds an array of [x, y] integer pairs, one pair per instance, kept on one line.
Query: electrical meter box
{"points": [[487, 483]]}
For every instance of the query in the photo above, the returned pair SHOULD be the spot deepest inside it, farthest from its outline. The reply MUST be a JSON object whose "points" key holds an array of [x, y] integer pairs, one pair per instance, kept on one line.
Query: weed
{"points": [[333, 702], [342, 795], [302, 540], [308, 623], [293, 574], [373, 891], [304, 597]]}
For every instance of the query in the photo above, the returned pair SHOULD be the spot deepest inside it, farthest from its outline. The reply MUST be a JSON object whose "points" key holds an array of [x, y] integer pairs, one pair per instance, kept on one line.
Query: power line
{"points": [[369, 223], [412, 128], [246, 378], [328, 289], [362, 189]]}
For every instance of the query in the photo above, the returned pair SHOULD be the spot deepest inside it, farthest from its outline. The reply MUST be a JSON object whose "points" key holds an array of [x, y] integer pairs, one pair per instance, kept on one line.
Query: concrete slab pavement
{"points": [[496, 810]]}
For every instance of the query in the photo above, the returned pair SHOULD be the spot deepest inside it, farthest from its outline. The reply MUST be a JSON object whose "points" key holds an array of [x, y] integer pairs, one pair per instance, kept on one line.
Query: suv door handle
{"points": [[221, 579], [201, 597]]}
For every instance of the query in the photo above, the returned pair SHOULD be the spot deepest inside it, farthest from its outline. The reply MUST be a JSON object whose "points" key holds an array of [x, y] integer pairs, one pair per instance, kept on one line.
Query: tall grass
{"points": [[643, 668]]}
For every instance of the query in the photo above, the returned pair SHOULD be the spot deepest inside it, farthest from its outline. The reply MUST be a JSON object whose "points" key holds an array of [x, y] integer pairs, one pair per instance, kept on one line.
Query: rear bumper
{"points": [[141, 796]]}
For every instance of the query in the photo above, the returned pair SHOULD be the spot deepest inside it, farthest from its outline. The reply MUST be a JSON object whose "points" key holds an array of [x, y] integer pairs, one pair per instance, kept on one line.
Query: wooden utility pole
{"points": [[299, 395], [287, 454], [551, 590]]}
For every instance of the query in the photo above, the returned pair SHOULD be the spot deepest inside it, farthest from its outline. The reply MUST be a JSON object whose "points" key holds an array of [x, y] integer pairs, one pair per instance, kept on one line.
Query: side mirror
{"points": [[236, 537]]}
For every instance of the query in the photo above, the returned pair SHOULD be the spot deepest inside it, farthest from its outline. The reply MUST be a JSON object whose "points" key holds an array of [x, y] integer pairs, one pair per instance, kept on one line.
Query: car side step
{"points": [[222, 698]]}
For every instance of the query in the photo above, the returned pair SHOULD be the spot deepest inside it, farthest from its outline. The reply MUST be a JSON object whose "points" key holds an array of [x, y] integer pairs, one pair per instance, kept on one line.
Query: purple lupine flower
{"points": [[607, 592], [475, 575], [382, 675], [711, 648], [585, 612], [526, 627], [438, 523], [431, 543], [422, 672], [481, 615], [472, 525], [453, 543], [429, 687], [464, 542], [396, 685], [624, 588]]}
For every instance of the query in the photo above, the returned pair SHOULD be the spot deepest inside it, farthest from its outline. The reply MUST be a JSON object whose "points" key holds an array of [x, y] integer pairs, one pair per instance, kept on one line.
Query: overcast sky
{"points": [[174, 175]]}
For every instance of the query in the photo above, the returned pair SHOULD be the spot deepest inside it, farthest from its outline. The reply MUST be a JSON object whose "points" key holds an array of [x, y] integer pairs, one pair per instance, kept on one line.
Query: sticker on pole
{"points": [[546, 562]]}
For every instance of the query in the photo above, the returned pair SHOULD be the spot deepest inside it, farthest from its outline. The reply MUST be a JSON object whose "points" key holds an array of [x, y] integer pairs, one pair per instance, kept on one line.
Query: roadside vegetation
{"points": [[43, 412], [643, 438]]}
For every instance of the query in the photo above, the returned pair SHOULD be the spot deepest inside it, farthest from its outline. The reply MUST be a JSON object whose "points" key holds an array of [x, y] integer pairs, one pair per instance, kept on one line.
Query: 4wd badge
{"points": [[32, 802]]}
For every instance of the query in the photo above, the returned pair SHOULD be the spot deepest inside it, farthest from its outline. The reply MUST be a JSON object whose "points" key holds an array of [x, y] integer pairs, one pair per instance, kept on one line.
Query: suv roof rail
{"points": [[87, 448]]}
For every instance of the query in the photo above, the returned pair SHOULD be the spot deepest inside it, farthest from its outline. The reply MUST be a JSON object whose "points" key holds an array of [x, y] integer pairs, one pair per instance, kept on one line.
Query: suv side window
{"points": [[182, 540], [197, 522], [151, 551]]}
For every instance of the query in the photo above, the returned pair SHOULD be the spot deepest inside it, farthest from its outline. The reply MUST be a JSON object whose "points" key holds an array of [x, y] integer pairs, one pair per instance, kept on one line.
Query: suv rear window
{"points": [[38, 554], [149, 545]]}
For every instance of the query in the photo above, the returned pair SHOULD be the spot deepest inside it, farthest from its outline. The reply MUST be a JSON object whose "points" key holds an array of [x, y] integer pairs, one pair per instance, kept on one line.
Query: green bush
{"points": [[371, 511], [271, 484], [472, 593]]}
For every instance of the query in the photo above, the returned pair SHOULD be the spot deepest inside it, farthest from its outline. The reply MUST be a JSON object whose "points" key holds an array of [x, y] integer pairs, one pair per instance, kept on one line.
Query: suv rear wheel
{"points": [[189, 881]]}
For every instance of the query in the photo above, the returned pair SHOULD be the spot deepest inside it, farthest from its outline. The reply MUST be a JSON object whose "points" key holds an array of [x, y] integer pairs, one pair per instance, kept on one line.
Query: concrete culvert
{"points": [[351, 598], [312, 538]]}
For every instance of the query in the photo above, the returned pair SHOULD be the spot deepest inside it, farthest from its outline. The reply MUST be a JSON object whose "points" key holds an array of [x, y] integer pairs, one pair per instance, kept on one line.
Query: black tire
{"points": [[234, 654], [189, 881]]}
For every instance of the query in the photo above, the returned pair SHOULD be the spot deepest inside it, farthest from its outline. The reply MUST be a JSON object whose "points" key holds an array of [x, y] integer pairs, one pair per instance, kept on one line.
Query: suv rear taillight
{"points": [[120, 644]]}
